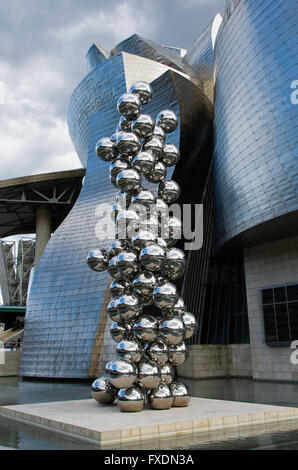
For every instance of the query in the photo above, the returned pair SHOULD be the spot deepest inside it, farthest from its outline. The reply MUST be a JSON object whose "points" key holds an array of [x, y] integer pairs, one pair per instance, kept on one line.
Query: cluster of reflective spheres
{"points": [[142, 262]]}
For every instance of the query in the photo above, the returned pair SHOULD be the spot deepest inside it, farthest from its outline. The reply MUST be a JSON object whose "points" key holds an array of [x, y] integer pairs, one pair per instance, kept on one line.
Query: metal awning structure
{"points": [[20, 197]]}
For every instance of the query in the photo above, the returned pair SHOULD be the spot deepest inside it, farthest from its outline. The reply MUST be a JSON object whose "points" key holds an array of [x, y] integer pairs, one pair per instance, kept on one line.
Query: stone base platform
{"points": [[107, 426]]}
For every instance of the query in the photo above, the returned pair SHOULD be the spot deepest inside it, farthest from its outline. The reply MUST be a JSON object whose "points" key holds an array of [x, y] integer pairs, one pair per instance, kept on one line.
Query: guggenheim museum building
{"points": [[234, 92]]}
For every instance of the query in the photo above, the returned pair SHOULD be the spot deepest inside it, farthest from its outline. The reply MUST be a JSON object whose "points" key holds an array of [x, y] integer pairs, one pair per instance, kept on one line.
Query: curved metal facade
{"points": [[255, 156], [66, 297]]}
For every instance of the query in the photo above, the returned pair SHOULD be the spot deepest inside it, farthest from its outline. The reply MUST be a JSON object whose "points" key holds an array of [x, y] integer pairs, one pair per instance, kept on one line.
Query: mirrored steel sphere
{"points": [[124, 124], [158, 352], [167, 373], [149, 374], [169, 191], [190, 323], [129, 307], [167, 119], [113, 268], [172, 330], [102, 391], [159, 133], [123, 199], [145, 197], [152, 257], [129, 105], [174, 265], [177, 309], [171, 230], [118, 331], [128, 180], [118, 287], [115, 168], [143, 126], [170, 155], [150, 224], [155, 146], [115, 135], [158, 174], [127, 263], [161, 209], [127, 219], [128, 143], [122, 374], [129, 350], [143, 90], [131, 399], [143, 286], [180, 393], [97, 260], [143, 162], [177, 354], [116, 247], [112, 309], [142, 239], [165, 295], [145, 328], [160, 397], [106, 149]]}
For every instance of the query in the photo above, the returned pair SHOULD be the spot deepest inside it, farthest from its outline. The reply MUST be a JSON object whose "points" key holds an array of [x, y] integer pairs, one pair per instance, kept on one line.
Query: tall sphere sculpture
{"points": [[129, 105], [103, 391], [121, 373]]}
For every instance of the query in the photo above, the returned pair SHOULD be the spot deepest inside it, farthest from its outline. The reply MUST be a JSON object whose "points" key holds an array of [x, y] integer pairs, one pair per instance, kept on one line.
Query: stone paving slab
{"points": [[107, 425]]}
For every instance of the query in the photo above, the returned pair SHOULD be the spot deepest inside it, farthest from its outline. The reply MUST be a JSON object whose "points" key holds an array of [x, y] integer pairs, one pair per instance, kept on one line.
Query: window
{"points": [[280, 311]]}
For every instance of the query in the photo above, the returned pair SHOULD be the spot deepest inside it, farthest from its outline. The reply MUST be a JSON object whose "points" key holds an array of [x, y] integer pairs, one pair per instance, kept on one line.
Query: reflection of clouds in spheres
{"points": [[143, 261]]}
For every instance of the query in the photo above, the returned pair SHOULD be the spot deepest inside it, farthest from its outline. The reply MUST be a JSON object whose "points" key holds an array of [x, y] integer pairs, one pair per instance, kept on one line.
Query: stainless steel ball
{"points": [[128, 180], [142, 239], [148, 374], [118, 287], [167, 373], [172, 329], [97, 260], [158, 352], [127, 263], [128, 219], [113, 268], [155, 146], [165, 295], [129, 105], [143, 126], [171, 230], [128, 144], [103, 391], [143, 286], [131, 399], [174, 265], [143, 162], [190, 323], [152, 257], [180, 393], [144, 197], [170, 155], [158, 174], [169, 191], [129, 307], [129, 350], [115, 168], [150, 224], [143, 90], [146, 328], [116, 247], [159, 133], [167, 119], [112, 309], [161, 209], [115, 135], [106, 149], [121, 374], [124, 124], [177, 354], [178, 309], [160, 397], [118, 331]]}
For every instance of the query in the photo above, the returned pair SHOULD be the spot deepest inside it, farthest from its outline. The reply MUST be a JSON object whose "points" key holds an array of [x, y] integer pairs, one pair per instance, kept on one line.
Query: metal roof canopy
{"points": [[19, 198]]}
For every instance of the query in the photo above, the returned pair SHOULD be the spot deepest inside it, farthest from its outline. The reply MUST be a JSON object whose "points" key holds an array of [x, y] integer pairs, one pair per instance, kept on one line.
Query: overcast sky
{"points": [[42, 59]]}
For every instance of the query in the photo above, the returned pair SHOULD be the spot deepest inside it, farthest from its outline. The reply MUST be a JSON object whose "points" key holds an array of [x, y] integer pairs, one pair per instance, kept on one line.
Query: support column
{"points": [[43, 231]]}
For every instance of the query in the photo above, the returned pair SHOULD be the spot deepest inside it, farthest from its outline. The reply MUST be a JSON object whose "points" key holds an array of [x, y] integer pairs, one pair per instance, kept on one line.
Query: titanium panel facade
{"points": [[255, 156]]}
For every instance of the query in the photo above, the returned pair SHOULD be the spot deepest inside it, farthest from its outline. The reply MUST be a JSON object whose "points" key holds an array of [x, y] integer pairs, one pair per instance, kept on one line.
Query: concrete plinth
{"points": [[106, 425]]}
